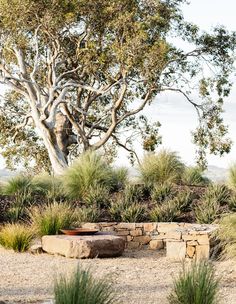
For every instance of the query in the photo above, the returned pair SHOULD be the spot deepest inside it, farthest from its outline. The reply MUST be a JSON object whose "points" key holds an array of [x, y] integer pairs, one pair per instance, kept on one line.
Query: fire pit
{"points": [[79, 231]]}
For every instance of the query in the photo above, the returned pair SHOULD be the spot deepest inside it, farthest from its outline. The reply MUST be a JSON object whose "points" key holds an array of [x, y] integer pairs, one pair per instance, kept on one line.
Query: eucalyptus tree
{"points": [[80, 72]]}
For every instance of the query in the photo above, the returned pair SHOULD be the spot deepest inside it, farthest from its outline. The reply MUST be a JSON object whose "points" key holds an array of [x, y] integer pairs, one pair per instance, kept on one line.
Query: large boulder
{"points": [[100, 245]]}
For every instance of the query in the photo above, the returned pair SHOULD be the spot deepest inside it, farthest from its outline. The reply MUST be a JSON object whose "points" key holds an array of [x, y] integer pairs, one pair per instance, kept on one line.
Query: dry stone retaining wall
{"points": [[181, 240]]}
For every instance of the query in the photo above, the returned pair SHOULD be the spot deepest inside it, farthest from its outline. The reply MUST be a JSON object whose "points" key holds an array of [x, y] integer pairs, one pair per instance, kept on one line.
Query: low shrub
{"points": [[232, 202], [97, 196], [232, 177], [133, 193], [82, 288], [133, 213], [115, 209], [194, 176], [88, 171], [16, 236], [167, 212], [50, 218], [206, 212], [162, 192], [87, 214], [50, 187], [163, 167], [226, 234], [183, 200], [119, 178], [195, 285], [217, 193]]}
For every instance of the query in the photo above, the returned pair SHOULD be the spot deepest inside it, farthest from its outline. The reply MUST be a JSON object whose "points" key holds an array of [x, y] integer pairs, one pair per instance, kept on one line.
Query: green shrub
{"points": [[49, 186], [88, 171], [15, 236], [162, 192], [82, 288], [87, 214], [232, 202], [133, 213], [16, 212], [97, 196], [218, 193], [183, 200], [22, 191], [49, 219], [193, 176], [133, 193], [227, 235], [206, 212], [232, 177], [167, 212], [196, 285], [119, 178], [116, 208], [163, 167]]}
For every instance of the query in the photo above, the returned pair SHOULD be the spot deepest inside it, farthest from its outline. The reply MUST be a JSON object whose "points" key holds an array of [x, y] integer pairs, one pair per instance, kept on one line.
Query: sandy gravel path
{"points": [[143, 277]]}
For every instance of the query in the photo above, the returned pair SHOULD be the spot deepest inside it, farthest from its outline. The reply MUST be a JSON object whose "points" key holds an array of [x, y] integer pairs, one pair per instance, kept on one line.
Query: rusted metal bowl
{"points": [[79, 231]]}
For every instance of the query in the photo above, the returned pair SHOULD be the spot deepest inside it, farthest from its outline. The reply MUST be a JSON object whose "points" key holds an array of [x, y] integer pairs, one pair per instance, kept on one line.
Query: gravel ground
{"points": [[138, 277]]}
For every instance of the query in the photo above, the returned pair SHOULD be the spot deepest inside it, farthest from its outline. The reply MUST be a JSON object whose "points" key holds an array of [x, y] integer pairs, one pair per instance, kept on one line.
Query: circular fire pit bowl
{"points": [[79, 231]]}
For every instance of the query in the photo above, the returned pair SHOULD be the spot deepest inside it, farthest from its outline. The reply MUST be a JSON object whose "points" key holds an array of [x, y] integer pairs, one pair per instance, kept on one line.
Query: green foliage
{"points": [[133, 193], [97, 196], [162, 192], [116, 208], [207, 211], [22, 192], [232, 177], [119, 178], [227, 236], [195, 285], [20, 188], [50, 187], [89, 171], [169, 211], [218, 193], [193, 176], [133, 213], [164, 167], [232, 202], [15, 236], [49, 219], [82, 288], [87, 214], [184, 199]]}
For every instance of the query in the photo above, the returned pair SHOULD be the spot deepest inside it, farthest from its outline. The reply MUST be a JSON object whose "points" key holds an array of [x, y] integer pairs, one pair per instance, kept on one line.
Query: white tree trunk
{"points": [[56, 155]]}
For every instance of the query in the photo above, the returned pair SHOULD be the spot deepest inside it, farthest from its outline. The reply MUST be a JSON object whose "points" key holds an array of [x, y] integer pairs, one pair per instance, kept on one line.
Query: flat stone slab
{"points": [[84, 246]]}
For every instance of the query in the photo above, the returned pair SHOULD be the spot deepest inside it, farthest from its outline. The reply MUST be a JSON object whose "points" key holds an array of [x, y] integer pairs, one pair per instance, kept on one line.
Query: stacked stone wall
{"points": [[181, 240]]}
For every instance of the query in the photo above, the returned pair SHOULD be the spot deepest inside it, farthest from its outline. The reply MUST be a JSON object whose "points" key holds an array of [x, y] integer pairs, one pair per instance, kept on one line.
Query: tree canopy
{"points": [[79, 73]]}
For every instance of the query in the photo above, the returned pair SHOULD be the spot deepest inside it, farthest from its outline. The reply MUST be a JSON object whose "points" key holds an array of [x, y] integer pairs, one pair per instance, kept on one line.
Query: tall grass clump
{"points": [[50, 187], [16, 236], [194, 176], [207, 211], [119, 178], [88, 171], [163, 167], [169, 211], [21, 190], [232, 177], [82, 288], [227, 236], [87, 214], [217, 192], [195, 285], [162, 192], [50, 218]]}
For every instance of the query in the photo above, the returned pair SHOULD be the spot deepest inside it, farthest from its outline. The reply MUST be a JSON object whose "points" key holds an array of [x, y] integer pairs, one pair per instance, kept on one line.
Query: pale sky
{"points": [[175, 114], [178, 118]]}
